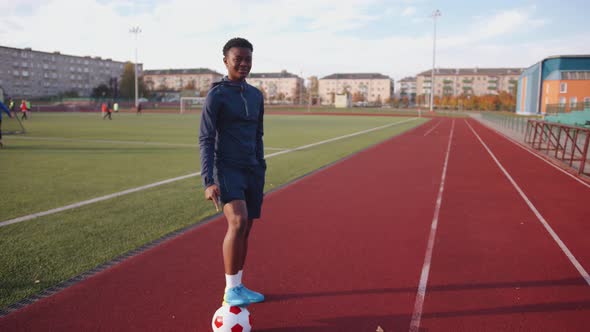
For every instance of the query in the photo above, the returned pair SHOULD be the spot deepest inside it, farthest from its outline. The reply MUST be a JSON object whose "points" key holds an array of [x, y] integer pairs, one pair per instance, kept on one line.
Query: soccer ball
{"points": [[231, 319]]}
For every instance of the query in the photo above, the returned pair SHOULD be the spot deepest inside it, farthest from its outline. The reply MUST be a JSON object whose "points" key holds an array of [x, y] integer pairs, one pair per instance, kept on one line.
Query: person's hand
{"points": [[212, 193]]}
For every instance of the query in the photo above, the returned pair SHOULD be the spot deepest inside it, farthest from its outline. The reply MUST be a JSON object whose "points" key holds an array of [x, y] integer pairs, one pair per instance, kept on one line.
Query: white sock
{"points": [[240, 276], [232, 281]]}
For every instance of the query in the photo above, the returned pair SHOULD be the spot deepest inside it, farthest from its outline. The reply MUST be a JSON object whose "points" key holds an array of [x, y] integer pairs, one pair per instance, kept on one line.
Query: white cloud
{"points": [[409, 11], [312, 36]]}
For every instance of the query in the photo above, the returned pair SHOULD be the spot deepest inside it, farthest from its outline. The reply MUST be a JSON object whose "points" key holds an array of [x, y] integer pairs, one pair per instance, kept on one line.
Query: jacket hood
{"points": [[225, 81]]}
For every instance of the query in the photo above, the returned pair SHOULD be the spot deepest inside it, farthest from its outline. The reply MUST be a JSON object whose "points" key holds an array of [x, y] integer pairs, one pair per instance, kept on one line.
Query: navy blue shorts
{"points": [[247, 184]]}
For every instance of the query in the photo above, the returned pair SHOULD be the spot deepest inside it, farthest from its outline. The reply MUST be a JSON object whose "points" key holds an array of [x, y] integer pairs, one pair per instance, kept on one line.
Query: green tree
{"points": [[101, 91], [127, 86]]}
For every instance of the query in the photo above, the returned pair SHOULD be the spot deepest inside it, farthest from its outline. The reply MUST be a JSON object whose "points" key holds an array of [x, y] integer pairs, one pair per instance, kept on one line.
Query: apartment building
{"points": [[408, 88], [278, 88], [555, 84], [199, 79], [27, 73], [372, 88], [469, 81]]}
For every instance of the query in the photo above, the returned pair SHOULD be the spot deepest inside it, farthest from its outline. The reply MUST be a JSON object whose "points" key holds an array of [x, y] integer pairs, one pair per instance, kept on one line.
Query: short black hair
{"points": [[237, 42]]}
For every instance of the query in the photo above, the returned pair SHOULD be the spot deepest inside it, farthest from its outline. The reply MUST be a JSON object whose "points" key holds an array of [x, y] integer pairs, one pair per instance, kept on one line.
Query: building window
{"points": [[562, 101], [573, 102], [562, 87]]}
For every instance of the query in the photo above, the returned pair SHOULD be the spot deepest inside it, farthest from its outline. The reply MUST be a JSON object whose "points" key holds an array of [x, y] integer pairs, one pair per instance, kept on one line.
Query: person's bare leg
{"points": [[245, 250], [235, 237]]}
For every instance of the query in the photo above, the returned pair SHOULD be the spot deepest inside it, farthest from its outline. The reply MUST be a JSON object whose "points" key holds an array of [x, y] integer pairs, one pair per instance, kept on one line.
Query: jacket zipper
{"points": [[245, 103]]}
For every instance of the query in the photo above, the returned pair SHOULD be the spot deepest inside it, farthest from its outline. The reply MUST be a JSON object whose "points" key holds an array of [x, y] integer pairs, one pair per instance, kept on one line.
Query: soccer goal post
{"points": [[188, 104]]}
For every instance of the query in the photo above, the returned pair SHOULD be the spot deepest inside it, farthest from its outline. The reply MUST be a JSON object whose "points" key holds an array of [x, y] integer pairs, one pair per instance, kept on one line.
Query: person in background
{"points": [[116, 107], [11, 105], [23, 109], [139, 108], [4, 109], [105, 111]]}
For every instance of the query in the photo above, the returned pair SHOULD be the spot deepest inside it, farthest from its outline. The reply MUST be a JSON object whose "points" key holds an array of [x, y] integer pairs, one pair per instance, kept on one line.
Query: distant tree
{"points": [[357, 97], [379, 101], [70, 94], [405, 101], [507, 101], [313, 85], [190, 85], [102, 91], [127, 86]]}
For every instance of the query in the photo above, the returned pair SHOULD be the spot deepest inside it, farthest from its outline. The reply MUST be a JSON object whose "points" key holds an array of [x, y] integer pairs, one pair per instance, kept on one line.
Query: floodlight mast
{"points": [[435, 15], [136, 31]]}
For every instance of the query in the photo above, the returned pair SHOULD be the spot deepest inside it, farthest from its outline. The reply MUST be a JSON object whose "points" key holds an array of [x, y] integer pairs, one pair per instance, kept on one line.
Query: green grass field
{"points": [[68, 158]]}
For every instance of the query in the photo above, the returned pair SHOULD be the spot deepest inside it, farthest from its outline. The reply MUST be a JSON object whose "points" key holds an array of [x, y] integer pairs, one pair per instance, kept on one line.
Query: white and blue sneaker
{"points": [[252, 296], [236, 296]]}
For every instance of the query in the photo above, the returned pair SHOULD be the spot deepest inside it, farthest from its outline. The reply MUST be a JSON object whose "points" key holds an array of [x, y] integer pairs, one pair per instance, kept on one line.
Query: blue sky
{"points": [[309, 37]]}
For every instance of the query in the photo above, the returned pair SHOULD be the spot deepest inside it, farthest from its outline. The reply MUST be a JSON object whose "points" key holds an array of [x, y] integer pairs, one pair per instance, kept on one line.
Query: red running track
{"points": [[344, 249]]}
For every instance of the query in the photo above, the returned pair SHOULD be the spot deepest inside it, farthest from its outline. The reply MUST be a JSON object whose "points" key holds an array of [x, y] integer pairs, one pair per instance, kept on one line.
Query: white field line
{"points": [[65, 139], [431, 129], [527, 149], [276, 149], [338, 138], [419, 304], [159, 183], [544, 222]]}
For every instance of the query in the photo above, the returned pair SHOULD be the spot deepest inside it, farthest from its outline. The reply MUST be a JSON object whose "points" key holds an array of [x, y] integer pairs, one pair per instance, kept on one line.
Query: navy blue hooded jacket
{"points": [[231, 128], [4, 109]]}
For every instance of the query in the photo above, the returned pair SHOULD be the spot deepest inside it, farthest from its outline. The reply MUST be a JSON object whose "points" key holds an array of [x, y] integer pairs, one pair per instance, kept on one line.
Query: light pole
{"points": [[435, 14], [136, 31]]}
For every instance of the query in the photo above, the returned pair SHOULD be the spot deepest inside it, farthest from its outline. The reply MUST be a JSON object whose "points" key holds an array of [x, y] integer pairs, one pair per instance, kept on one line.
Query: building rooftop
{"points": [[281, 74], [28, 49], [473, 71], [188, 71], [355, 76], [407, 79]]}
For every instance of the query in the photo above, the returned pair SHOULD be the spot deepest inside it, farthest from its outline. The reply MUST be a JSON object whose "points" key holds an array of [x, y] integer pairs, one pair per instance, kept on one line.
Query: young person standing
{"points": [[4, 109], [232, 162]]}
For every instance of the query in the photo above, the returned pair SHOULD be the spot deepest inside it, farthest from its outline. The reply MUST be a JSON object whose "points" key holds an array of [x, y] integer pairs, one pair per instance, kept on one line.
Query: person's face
{"points": [[238, 62]]}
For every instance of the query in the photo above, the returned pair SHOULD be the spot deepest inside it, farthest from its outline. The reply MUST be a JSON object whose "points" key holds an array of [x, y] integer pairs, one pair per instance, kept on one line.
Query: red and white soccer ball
{"points": [[231, 319]]}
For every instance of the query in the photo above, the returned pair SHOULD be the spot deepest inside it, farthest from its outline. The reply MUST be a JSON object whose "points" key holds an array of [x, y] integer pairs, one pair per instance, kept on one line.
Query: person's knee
{"points": [[237, 223]]}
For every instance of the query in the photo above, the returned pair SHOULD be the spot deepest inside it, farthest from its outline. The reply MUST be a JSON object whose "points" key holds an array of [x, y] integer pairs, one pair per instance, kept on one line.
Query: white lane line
{"points": [[544, 222], [527, 149], [431, 129], [132, 190], [279, 149], [419, 304]]}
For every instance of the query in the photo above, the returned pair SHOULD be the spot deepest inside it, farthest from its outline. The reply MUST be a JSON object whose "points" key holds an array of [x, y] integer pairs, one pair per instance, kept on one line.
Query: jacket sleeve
{"points": [[259, 134], [207, 136], [4, 108]]}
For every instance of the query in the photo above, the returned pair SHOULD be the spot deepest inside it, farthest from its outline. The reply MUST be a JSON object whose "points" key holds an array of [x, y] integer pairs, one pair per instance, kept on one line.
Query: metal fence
{"points": [[507, 121], [567, 107], [569, 144]]}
